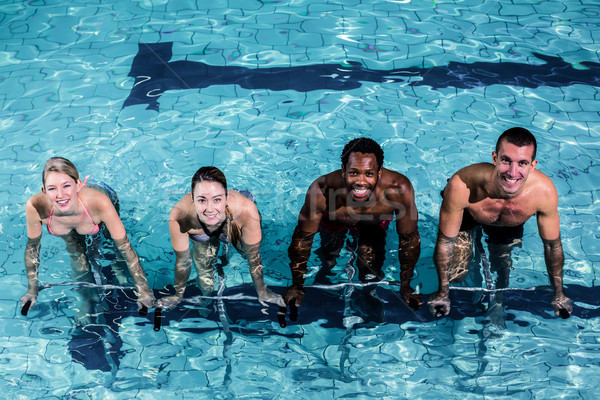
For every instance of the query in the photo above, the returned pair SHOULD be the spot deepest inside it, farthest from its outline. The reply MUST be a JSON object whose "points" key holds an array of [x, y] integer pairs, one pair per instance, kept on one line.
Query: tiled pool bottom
{"points": [[255, 359], [64, 80]]}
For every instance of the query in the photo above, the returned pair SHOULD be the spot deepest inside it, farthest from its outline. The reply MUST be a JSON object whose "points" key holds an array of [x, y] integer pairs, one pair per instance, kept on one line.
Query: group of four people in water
{"points": [[361, 199]]}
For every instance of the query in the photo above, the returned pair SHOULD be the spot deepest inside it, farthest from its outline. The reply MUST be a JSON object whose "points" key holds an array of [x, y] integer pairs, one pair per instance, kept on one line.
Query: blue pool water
{"points": [[270, 91]]}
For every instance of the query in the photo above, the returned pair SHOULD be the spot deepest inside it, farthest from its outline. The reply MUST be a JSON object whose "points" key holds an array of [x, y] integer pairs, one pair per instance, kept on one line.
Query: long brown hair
{"points": [[214, 174]]}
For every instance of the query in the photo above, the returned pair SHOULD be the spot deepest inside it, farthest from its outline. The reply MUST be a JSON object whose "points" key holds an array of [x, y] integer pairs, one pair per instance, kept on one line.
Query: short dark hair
{"points": [[363, 145], [519, 137]]}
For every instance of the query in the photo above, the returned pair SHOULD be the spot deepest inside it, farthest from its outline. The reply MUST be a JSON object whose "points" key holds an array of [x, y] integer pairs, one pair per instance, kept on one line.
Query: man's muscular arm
{"points": [[439, 303], [299, 253], [409, 243], [456, 195], [553, 255], [302, 239], [409, 250], [549, 228]]}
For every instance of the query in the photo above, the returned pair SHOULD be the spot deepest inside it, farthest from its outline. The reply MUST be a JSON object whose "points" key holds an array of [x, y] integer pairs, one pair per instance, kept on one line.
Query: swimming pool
{"points": [[434, 82]]}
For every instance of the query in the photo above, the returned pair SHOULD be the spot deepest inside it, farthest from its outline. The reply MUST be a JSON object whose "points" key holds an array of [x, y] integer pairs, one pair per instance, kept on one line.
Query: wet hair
{"points": [[210, 174], [62, 165], [214, 174], [363, 145], [518, 136]]}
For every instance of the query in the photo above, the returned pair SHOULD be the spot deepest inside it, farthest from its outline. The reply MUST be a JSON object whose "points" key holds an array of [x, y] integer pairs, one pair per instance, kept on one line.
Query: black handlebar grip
{"points": [[25, 308], [157, 318], [143, 311]]}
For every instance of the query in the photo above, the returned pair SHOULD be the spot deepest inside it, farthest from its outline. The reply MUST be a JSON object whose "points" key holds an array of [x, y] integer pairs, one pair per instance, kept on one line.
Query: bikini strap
{"points": [[50, 221], [80, 202], [86, 211]]}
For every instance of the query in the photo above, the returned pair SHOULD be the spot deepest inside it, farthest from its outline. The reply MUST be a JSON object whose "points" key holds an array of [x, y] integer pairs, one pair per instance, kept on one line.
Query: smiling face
{"points": [[210, 200], [361, 174], [513, 164], [61, 190]]}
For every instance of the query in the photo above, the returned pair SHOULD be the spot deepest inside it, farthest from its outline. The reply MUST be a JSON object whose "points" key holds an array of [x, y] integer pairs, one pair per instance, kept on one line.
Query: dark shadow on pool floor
{"points": [[154, 74], [328, 307]]}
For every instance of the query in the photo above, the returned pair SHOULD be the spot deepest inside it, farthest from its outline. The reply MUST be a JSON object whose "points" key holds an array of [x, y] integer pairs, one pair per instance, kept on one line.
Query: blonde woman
{"points": [[73, 210]]}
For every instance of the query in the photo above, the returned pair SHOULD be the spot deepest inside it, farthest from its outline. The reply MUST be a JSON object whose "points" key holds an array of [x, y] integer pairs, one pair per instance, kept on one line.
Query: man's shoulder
{"points": [[541, 177], [332, 179], [470, 179], [476, 169], [393, 178], [473, 175], [542, 182]]}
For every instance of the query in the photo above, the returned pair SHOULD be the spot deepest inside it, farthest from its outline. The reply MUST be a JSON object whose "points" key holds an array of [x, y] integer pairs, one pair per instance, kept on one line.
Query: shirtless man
{"points": [[500, 197], [361, 197]]}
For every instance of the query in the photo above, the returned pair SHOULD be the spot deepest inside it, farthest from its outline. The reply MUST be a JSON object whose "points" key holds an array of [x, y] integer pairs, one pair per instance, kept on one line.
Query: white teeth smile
{"points": [[360, 192], [62, 201], [511, 180]]}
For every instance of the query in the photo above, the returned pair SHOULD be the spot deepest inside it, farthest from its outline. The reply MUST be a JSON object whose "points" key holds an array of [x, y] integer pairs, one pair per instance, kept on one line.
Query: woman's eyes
{"points": [[203, 201], [67, 186]]}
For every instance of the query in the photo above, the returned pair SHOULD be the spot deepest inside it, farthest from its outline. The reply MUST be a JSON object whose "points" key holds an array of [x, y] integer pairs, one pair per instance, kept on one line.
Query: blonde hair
{"points": [[62, 165]]}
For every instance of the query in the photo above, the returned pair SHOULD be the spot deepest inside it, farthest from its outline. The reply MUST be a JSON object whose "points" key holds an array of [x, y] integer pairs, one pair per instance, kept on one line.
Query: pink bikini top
{"points": [[96, 226]]}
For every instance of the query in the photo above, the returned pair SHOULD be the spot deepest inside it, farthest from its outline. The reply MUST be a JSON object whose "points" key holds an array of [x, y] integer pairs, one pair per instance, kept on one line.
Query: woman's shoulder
{"points": [[243, 195], [38, 203], [94, 199], [183, 209], [38, 198], [241, 206]]}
